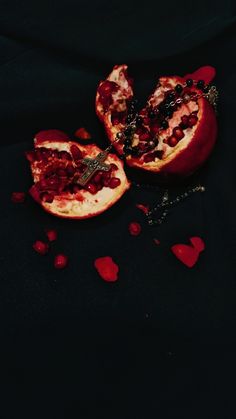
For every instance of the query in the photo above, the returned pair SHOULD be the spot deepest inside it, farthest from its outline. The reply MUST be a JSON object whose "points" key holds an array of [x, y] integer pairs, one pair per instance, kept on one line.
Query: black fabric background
{"points": [[161, 341]]}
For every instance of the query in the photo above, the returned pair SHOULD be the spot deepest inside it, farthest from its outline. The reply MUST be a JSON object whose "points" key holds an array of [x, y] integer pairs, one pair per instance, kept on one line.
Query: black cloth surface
{"points": [[160, 342]]}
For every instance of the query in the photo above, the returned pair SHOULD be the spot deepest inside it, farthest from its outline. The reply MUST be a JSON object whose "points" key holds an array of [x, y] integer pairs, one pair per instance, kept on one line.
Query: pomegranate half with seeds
{"points": [[56, 165], [173, 134]]}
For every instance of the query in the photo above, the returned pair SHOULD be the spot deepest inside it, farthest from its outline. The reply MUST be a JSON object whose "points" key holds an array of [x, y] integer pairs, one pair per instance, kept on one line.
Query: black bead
{"points": [[178, 88], [129, 118], [170, 96], [151, 114], [164, 124], [189, 82], [200, 84], [168, 112], [128, 131], [127, 150], [134, 151], [139, 120], [127, 142], [206, 89]]}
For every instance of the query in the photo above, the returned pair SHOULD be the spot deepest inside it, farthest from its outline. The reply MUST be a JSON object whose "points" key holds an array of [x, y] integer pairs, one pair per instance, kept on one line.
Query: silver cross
{"points": [[93, 165]]}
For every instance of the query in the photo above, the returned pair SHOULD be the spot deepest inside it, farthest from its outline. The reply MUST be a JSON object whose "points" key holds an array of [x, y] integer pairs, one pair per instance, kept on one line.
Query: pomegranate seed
{"points": [[192, 120], [98, 176], [91, 188], [172, 141], [178, 133], [30, 155], [40, 247], [134, 228], [149, 157], [46, 197], [76, 153], [70, 170], [106, 182], [65, 155], [144, 137], [114, 166], [114, 182], [61, 172], [51, 235], [184, 120], [106, 175], [18, 197], [99, 186], [55, 154], [60, 261], [107, 88], [76, 188]]}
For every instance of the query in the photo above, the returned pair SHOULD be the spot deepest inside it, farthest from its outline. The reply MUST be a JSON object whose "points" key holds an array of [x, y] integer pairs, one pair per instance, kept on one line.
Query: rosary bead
{"points": [[151, 114], [139, 120], [200, 84], [189, 82], [178, 88], [164, 124]]}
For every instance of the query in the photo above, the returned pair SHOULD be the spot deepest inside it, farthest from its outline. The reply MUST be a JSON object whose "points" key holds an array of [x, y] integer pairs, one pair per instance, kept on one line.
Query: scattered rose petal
{"points": [[40, 247], [143, 207], [51, 235], [186, 254], [83, 134], [60, 261], [107, 268], [18, 197], [198, 243], [135, 228], [156, 241]]}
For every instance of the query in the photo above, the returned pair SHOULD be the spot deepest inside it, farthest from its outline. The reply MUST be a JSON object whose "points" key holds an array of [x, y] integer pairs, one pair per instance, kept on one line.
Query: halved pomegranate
{"points": [[176, 130], [56, 165]]}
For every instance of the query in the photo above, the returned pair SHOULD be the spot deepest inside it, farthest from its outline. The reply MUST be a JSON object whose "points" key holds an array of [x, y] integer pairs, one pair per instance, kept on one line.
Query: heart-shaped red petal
{"points": [[206, 73], [107, 268], [197, 243], [186, 254]]}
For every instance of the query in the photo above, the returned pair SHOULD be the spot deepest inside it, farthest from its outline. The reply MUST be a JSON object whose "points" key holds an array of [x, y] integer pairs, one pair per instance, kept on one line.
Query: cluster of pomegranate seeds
{"points": [[60, 171], [187, 121], [107, 268], [105, 90], [134, 228], [18, 197], [42, 248]]}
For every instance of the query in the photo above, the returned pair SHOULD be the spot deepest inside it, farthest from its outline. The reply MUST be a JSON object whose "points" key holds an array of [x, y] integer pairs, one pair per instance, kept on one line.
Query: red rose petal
{"points": [[83, 134], [143, 207], [186, 254], [206, 73], [107, 268], [135, 228], [18, 197], [197, 243]]}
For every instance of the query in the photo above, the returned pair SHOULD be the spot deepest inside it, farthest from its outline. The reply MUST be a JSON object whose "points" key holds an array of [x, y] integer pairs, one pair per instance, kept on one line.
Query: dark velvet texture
{"points": [[160, 342]]}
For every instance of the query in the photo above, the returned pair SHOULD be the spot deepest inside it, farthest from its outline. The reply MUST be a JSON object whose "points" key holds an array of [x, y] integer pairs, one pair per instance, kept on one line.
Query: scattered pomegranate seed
{"points": [[143, 207], [107, 268], [198, 243], [134, 228], [18, 197], [40, 247], [83, 134], [51, 235], [156, 241], [114, 182], [113, 166], [46, 197], [76, 153], [98, 176], [60, 261]]}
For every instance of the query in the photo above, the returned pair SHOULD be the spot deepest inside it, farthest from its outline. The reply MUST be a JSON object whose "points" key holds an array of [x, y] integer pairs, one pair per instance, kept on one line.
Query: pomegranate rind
{"points": [[83, 204], [196, 146]]}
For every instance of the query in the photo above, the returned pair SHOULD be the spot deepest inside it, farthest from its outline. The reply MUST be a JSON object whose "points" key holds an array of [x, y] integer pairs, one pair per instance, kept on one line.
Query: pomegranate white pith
{"points": [[71, 200], [181, 148]]}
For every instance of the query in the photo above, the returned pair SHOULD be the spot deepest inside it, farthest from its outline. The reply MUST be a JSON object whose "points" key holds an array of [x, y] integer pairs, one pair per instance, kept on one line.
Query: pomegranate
{"points": [[56, 165], [173, 134]]}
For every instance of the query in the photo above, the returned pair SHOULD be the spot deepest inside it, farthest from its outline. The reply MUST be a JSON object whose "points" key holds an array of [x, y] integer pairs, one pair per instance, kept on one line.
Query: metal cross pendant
{"points": [[93, 165]]}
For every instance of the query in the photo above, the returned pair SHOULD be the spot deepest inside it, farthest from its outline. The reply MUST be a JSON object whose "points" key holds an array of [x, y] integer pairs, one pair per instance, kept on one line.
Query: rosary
{"points": [[166, 109]]}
